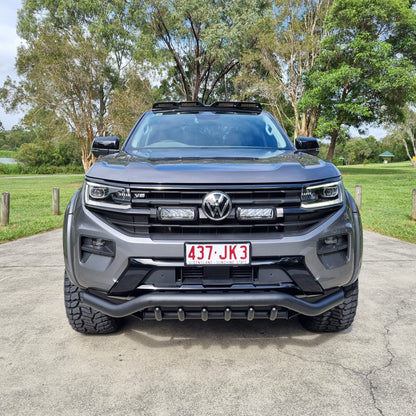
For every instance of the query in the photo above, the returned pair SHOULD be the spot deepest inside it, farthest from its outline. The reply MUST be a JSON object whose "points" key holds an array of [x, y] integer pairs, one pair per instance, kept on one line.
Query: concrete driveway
{"points": [[212, 368]]}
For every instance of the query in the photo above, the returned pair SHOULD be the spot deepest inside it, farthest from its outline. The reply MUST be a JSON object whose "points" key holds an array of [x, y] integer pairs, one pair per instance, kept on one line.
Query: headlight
{"points": [[321, 196], [99, 195]]}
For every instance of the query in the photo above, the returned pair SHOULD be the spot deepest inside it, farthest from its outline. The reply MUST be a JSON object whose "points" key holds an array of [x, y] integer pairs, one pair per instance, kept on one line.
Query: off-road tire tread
{"points": [[83, 318], [336, 319]]}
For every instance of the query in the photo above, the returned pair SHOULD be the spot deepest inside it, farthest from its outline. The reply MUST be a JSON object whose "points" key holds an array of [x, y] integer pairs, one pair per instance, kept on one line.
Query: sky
{"points": [[9, 41]]}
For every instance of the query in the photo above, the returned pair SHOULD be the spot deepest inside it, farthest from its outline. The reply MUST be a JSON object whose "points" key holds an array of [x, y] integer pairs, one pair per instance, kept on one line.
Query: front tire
{"points": [[81, 317], [336, 319]]}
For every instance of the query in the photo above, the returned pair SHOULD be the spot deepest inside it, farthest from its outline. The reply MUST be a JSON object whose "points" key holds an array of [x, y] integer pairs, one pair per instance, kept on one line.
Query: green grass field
{"points": [[386, 197], [386, 206], [31, 203], [7, 153]]}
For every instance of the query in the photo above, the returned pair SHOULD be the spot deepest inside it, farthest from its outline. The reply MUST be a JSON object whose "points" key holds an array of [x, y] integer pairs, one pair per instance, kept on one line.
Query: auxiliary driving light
{"points": [[176, 213], [255, 213]]}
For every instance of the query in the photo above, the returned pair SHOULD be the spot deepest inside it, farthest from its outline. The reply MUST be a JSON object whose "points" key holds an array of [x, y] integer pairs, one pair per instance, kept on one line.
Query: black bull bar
{"points": [[251, 301]]}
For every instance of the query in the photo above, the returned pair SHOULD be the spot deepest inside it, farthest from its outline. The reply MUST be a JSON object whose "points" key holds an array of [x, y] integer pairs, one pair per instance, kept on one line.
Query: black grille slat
{"points": [[242, 272], [192, 272], [293, 201], [210, 225], [267, 201], [157, 198], [168, 202], [212, 231]]}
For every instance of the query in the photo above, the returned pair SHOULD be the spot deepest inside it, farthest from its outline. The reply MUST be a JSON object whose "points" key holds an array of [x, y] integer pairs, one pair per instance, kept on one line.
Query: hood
{"points": [[233, 166]]}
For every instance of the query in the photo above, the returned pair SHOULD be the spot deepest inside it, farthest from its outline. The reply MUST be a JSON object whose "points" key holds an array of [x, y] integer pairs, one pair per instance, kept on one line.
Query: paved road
{"points": [[213, 368]]}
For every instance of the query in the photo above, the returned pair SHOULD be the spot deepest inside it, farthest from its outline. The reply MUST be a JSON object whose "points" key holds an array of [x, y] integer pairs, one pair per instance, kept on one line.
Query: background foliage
{"points": [[90, 68]]}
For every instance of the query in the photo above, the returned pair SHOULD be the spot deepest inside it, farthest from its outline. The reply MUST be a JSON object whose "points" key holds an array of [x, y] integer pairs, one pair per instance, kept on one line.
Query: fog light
{"points": [[332, 244], [255, 213], [333, 251], [97, 246], [176, 213], [98, 242], [331, 240]]}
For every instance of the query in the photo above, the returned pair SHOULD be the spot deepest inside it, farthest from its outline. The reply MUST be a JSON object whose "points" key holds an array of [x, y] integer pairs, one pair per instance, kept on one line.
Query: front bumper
{"points": [[310, 287], [269, 304]]}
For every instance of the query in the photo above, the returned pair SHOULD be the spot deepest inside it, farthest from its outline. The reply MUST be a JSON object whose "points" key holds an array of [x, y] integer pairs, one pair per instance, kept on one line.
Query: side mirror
{"points": [[307, 145], [102, 146]]}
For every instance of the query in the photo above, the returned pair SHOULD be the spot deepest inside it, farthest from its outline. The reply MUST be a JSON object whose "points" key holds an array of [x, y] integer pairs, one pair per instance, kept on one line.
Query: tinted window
{"points": [[206, 129]]}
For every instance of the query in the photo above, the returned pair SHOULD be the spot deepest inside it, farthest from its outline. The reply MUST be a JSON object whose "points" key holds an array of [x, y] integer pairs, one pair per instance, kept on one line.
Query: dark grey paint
{"points": [[262, 166]]}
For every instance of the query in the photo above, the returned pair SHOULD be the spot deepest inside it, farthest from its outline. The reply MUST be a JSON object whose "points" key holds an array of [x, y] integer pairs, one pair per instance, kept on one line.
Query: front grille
{"points": [[142, 219], [245, 273]]}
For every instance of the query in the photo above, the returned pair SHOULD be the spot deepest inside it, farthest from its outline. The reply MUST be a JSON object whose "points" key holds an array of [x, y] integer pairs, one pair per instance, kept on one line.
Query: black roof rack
{"points": [[243, 106]]}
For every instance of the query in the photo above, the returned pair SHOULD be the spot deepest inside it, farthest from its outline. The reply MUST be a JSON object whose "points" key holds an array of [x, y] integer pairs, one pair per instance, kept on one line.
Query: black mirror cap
{"points": [[102, 146], [308, 145]]}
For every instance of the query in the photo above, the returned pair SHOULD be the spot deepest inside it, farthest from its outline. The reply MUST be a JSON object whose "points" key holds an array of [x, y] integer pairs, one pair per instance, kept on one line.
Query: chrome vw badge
{"points": [[216, 205]]}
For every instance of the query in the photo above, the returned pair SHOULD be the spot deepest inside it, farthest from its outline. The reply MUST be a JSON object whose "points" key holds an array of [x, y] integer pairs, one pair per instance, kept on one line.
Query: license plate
{"points": [[224, 253]]}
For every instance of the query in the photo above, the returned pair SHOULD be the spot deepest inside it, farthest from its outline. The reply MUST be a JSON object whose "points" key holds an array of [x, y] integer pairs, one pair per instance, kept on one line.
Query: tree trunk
{"points": [[303, 128], [331, 150], [87, 157]]}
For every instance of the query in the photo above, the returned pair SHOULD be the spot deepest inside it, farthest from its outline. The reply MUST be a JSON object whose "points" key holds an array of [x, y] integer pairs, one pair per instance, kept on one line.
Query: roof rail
{"points": [[243, 106], [174, 105]]}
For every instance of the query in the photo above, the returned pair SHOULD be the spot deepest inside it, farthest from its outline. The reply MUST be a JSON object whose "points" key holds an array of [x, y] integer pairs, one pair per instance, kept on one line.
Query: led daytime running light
{"points": [[322, 196], [107, 196]]}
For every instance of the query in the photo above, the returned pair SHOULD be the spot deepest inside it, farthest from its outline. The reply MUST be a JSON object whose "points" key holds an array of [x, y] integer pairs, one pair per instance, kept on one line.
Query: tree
{"points": [[14, 138], [202, 40], [134, 96], [72, 62], [392, 143], [288, 44], [362, 150], [361, 76], [64, 73], [406, 133]]}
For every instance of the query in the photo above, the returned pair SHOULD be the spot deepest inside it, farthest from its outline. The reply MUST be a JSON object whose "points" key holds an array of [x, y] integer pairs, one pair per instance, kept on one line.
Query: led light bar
{"points": [[255, 213], [176, 214]]}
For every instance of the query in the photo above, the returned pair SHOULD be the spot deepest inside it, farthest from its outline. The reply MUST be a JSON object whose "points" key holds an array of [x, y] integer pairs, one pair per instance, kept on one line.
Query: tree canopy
{"points": [[360, 76], [72, 61], [204, 41], [287, 47], [320, 66]]}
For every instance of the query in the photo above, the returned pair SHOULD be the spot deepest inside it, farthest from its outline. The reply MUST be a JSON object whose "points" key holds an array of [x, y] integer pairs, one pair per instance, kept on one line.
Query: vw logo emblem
{"points": [[216, 205]]}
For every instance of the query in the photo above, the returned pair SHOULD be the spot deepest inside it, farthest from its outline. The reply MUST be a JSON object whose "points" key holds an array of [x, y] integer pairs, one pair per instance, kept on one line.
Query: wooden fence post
{"points": [[414, 205], [5, 208], [55, 201], [358, 196]]}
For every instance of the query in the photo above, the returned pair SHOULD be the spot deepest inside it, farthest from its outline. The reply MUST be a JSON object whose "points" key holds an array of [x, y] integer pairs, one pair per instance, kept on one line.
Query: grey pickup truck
{"points": [[210, 212]]}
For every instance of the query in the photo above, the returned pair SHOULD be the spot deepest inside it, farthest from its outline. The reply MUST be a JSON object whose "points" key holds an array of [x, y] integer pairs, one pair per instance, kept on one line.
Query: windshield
{"points": [[206, 130]]}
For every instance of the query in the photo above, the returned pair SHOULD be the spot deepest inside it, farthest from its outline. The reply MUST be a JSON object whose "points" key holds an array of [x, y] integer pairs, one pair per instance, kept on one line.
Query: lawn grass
{"points": [[8, 153], [386, 197], [31, 203]]}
